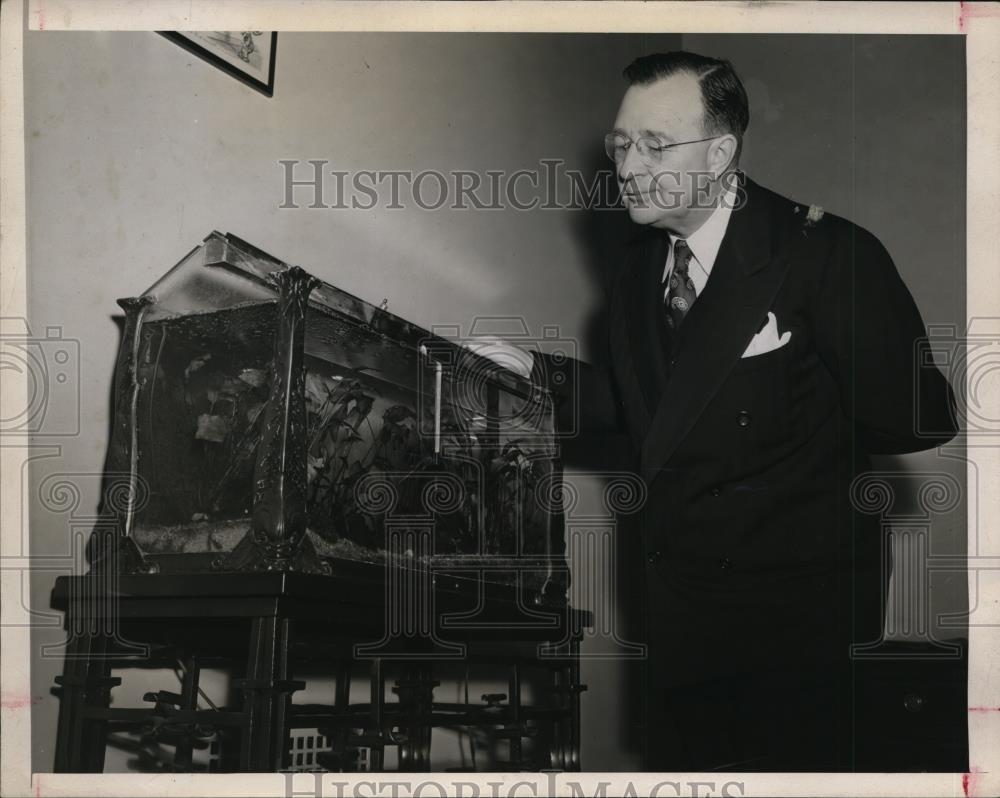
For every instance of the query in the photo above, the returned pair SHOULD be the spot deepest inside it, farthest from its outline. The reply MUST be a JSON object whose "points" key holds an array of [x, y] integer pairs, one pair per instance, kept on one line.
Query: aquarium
{"points": [[268, 420]]}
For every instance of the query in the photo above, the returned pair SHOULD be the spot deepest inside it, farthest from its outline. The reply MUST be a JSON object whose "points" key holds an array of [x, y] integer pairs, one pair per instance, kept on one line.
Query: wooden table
{"points": [[264, 627]]}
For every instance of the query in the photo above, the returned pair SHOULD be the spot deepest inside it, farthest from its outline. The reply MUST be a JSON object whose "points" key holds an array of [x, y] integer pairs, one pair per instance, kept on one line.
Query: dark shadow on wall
{"points": [[41, 583], [603, 228]]}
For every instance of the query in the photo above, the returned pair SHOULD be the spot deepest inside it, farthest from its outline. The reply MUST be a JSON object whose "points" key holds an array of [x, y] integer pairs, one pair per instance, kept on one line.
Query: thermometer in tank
{"points": [[437, 401], [437, 408]]}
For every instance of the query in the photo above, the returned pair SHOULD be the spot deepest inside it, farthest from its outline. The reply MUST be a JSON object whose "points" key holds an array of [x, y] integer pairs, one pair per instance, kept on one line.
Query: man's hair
{"points": [[722, 94]]}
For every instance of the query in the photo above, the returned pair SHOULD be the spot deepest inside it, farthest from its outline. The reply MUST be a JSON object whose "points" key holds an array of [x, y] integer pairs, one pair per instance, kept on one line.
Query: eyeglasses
{"points": [[650, 149]]}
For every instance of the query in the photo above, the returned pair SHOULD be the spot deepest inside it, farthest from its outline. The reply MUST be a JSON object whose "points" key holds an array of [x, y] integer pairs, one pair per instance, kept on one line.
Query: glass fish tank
{"points": [[266, 420]]}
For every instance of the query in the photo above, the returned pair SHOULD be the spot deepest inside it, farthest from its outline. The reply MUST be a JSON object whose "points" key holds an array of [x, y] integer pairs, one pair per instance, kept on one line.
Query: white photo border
{"points": [[979, 23]]}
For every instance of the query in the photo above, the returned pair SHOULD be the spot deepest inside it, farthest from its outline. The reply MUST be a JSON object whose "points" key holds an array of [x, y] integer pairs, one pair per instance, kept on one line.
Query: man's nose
{"points": [[630, 165]]}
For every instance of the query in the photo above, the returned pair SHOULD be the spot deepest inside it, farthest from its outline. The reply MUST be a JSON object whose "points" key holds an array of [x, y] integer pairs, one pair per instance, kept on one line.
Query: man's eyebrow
{"points": [[654, 133]]}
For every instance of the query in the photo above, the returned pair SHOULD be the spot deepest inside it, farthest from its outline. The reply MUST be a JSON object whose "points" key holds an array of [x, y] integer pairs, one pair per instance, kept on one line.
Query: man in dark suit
{"points": [[761, 350]]}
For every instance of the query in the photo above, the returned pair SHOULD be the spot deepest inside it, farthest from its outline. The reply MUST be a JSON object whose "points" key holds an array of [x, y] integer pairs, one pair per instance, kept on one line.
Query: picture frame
{"points": [[246, 55]]}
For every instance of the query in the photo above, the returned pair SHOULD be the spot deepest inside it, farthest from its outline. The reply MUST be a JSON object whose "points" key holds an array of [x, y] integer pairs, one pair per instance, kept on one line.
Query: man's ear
{"points": [[721, 154]]}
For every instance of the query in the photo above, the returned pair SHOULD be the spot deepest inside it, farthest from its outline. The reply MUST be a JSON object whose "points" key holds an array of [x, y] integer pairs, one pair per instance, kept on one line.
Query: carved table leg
{"points": [[86, 682], [416, 699], [575, 687], [184, 752], [70, 705], [564, 731], [267, 694], [377, 759], [514, 688]]}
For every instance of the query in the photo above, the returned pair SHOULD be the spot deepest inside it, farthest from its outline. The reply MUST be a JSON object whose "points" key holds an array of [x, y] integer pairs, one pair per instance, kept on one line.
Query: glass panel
{"points": [[213, 276], [363, 396], [370, 403], [510, 429], [204, 382]]}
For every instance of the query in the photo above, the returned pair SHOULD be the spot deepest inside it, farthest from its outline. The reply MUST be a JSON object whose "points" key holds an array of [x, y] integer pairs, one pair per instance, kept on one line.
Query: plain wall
{"points": [[137, 149]]}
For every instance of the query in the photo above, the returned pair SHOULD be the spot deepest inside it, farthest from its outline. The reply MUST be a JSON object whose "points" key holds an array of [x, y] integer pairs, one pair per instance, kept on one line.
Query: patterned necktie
{"points": [[681, 294]]}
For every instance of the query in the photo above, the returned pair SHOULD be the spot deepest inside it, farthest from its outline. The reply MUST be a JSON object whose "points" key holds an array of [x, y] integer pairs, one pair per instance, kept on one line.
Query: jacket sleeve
{"points": [[588, 416], [872, 339]]}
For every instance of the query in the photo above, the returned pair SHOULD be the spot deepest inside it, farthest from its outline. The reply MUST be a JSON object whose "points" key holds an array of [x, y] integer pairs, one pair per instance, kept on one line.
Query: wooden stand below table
{"points": [[266, 627]]}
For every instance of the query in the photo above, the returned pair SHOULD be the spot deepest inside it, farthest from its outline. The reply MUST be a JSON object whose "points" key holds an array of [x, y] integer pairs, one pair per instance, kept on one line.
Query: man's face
{"points": [[669, 110]]}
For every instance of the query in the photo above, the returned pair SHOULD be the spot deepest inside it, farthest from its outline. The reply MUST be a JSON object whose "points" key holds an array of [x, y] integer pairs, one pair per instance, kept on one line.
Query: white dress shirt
{"points": [[704, 244]]}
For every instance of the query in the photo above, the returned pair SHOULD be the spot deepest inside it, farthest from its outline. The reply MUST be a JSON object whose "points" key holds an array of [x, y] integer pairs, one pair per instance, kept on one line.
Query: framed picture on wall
{"points": [[246, 55]]}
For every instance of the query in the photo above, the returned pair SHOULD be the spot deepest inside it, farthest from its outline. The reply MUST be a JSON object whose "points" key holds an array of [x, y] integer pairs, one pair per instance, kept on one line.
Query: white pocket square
{"points": [[767, 339]]}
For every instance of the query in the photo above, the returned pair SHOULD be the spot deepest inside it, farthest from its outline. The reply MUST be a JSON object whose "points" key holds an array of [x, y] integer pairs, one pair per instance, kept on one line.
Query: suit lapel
{"points": [[647, 321], [745, 278], [635, 341]]}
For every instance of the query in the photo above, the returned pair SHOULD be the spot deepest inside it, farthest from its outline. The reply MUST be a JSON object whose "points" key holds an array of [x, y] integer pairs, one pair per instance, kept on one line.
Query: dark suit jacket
{"points": [[752, 553]]}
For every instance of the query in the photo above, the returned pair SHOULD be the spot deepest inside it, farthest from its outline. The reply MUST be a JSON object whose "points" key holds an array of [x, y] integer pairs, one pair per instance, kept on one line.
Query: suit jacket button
{"points": [[654, 557], [716, 491], [743, 419], [725, 563]]}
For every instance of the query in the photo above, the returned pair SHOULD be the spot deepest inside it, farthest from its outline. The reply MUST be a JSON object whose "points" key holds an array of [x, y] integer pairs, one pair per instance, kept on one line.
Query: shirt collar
{"points": [[707, 239]]}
